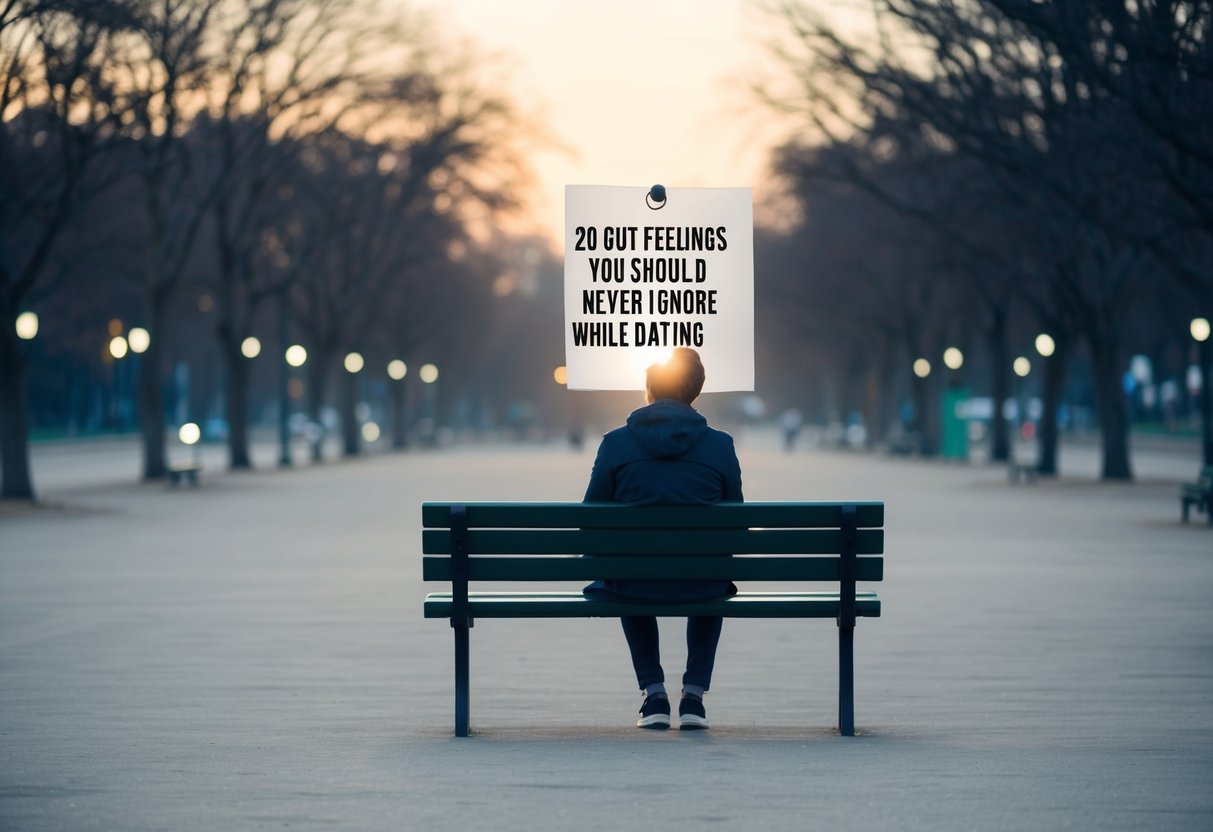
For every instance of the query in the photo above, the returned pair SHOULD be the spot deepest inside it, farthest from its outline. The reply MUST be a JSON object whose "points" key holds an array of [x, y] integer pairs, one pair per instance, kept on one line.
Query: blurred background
{"points": [[299, 230]]}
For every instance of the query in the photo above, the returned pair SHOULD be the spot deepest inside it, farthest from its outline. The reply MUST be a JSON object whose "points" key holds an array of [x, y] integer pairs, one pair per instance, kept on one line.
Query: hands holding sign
{"points": [[641, 280]]}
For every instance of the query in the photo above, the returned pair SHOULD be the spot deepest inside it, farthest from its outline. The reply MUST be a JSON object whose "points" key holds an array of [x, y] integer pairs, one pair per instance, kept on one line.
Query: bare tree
{"points": [[161, 73], [56, 120], [444, 155], [993, 89], [288, 69]]}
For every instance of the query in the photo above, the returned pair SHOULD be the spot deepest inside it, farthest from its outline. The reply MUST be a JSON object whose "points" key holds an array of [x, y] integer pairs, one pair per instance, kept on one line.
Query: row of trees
{"points": [[971, 170], [316, 157]]}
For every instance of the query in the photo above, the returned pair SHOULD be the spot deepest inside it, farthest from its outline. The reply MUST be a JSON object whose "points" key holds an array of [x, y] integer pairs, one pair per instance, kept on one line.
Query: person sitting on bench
{"points": [[667, 455]]}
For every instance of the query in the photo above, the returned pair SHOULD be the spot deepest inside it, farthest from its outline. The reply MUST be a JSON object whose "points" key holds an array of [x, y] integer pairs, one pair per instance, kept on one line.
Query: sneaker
{"points": [[655, 712], [691, 715]]}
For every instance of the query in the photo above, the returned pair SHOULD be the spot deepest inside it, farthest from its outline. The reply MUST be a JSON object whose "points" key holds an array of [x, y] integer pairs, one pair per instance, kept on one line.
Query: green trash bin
{"points": [[954, 418]]}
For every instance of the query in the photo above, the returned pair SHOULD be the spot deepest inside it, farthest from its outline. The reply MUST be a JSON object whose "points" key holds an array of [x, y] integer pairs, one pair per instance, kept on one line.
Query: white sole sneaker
{"points": [[654, 721], [692, 722]]}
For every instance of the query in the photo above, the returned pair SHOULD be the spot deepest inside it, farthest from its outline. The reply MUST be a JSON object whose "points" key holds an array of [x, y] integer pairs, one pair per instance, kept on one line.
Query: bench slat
{"points": [[575, 605], [655, 542], [505, 515], [574, 568]]}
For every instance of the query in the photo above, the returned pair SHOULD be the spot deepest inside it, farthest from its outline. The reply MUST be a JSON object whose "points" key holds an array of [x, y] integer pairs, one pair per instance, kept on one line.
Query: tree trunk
{"points": [[1055, 377], [236, 374], [1110, 399], [873, 423], [1000, 446], [316, 390], [284, 383], [15, 480], [924, 416], [350, 444], [400, 436], [1206, 400], [151, 394]]}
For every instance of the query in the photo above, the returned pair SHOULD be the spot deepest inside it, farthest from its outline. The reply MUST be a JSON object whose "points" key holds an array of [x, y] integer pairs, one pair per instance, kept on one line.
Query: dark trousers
{"points": [[703, 634]]}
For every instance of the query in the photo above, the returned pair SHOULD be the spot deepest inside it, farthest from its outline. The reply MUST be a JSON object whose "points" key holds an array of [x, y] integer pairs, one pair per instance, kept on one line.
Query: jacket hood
{"points": [[667, 428]]}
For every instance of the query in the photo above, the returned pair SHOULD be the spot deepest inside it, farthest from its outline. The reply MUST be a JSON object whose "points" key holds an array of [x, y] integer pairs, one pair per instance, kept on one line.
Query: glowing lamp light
{"points": [[428, 373], [561, 375], [397, 369], [250, 347], [922, 368], [370, 431], [27, 326], [354, 362], [953, 358], [296, 355], [189, 434], [1045, 345], [1022, 367], [118, 347], [138, 339], [1199, 329]]}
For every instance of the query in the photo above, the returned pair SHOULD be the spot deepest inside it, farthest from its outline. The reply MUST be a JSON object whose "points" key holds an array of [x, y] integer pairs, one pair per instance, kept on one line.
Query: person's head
{"points": [[679, 378]]}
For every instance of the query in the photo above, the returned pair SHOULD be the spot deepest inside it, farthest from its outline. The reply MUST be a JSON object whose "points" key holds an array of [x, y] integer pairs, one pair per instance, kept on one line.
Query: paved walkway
{"points": [[252, 655]]}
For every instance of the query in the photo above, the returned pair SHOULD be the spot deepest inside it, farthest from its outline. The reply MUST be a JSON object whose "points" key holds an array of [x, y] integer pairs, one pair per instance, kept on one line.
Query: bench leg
{"points": [[1186, 504], [846, 681], [462, 707]]}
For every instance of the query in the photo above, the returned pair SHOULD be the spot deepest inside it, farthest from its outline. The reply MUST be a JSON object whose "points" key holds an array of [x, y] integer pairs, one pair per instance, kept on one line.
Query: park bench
{"points": [[904, 443], [187, 471], [541, 542], [1199, 494], [1021, 470]]}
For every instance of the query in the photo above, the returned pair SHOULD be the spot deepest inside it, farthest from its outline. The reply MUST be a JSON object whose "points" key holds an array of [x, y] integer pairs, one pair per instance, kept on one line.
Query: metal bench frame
{"points": [[466, 542], [1199, 494]]}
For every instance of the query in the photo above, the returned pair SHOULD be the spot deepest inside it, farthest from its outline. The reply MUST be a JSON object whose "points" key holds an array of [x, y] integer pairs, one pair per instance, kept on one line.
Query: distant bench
{"points": [[1021, 470], [1199, 494], [187, 471], [533, 542]]}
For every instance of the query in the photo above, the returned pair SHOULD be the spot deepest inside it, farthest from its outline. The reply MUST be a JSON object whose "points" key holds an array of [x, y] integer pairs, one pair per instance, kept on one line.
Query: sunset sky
{"points": [[636, 91]]}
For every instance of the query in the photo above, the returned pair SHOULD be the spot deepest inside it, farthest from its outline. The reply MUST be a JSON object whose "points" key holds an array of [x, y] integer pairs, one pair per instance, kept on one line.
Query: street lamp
{"points": [[953, 358], [139, 339], [189, 434], [354, 362], [1199, 328], [561, 375], [922, 368], [428, 373], [397, 370], [250, 347], [1022, 366], [27, 326], [296, 355], [119, 347], [1045, 345]]}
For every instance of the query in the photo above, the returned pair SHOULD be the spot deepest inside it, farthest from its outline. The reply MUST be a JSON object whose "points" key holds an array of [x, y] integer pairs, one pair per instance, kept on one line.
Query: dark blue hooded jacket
{"points": [[665, 455]]}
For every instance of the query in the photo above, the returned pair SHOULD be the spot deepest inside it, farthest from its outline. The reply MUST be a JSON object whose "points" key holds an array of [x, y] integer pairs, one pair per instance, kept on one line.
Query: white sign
{"points": [[641, 278]]}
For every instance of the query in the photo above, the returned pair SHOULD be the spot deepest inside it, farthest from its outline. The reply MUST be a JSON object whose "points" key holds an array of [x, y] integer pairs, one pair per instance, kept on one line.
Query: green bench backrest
{"points": [[588, 541], [1206, 476]]}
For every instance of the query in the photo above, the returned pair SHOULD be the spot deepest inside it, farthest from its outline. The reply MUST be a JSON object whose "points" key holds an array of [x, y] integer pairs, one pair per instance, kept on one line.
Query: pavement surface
{"points": [[251, 655]]}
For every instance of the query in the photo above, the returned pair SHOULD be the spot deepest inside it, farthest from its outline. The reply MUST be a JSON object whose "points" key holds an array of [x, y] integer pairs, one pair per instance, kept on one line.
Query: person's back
{"points": [[667, 455]]}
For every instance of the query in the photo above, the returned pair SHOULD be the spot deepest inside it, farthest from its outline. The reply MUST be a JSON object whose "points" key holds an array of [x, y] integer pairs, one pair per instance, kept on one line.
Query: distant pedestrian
{"points": [[667, 455], [791, 421]]}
